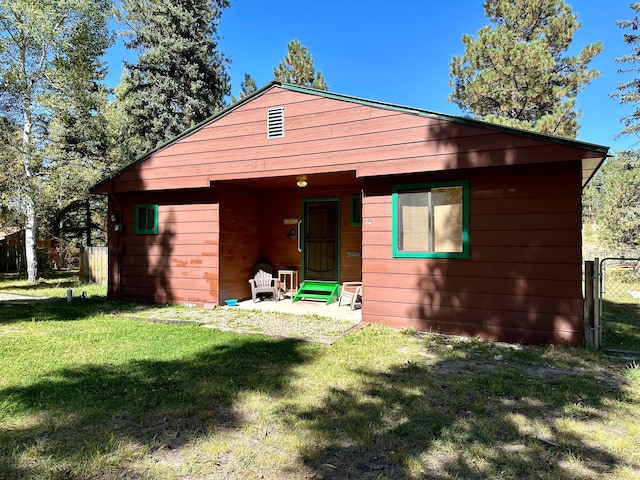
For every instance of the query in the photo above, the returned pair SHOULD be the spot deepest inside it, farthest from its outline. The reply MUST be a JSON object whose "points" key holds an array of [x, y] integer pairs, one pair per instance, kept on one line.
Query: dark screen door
{"points": [[321, 240]]}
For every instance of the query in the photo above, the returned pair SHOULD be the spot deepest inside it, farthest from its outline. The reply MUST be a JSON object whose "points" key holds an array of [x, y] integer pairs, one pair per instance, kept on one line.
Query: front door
{"points": [[321, 234]]}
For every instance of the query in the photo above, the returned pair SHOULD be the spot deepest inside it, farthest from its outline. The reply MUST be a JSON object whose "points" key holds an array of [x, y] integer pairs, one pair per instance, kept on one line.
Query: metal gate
{"points": [[617, 304]]}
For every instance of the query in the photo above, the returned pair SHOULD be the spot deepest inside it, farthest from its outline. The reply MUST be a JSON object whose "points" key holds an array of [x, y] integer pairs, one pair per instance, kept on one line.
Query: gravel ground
{"points": [[312, 322], [310, 327], [14, 297]]}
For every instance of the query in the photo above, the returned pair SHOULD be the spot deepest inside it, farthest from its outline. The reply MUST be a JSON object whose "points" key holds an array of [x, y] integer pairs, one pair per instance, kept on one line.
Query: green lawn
{"points": [[621, 309], [85, 393]]}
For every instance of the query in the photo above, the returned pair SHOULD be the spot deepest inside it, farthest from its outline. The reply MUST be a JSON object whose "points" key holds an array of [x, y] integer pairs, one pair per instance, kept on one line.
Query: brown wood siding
{"points": [[523, 278], [180, 263], [282, 252], [196, 258], [327, 135], [240, 239]]}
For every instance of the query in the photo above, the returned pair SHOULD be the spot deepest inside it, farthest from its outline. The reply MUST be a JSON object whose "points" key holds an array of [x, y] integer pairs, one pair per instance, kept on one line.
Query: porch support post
{"points": [[589, 303]]}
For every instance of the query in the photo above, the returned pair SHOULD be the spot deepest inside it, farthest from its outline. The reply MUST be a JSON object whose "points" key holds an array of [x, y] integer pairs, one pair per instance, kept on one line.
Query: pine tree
{"points": [[297, 68], [247, 87], [516, 72], [44, 49], [629, 92], [619, 216], [179, 78], [78, 140]]}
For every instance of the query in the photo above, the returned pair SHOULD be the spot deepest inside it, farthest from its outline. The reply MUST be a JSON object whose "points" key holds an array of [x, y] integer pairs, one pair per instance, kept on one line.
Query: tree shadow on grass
{"points": [[59, 310], [471, 417], [621, 325], [54, 279], [148, 405]]}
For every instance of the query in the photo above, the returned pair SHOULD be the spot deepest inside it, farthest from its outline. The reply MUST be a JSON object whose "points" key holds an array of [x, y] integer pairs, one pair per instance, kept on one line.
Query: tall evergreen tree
{"points": [[297, 68], [619, 216], [78, 140], [516, 72], [629, 92], [247, 87], [42, 46], [180, 78], [618, 199]]}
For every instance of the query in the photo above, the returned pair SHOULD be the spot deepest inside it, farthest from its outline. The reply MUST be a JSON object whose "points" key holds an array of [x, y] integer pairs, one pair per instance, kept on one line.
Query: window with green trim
{"points": [[356, 210], [431, 220], [147, 219]]}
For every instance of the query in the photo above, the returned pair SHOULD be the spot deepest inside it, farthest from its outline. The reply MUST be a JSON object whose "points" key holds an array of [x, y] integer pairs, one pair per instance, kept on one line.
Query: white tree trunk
{"points": [[28, 205], [30, 240]]}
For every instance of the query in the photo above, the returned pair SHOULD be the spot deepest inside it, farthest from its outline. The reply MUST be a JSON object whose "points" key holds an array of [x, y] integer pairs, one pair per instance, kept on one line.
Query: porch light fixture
{"points": [[115, 219], [301, 181]]}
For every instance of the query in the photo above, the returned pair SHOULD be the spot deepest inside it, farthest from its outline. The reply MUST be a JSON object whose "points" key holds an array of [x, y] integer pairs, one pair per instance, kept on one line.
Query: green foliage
{"points": [[592, 197], [619, 216], [78, 153], [247, 87], [179, 78], [297, 68], [629, 92], [51, 74], [516, 73]]}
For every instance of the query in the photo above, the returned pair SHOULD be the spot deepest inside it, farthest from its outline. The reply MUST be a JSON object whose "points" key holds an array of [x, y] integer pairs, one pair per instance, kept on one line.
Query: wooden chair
{"points": [[350, 292], [263, 282]]}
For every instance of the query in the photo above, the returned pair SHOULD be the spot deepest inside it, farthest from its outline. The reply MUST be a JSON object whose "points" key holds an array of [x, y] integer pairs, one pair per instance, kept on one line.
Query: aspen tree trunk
{"points": [[28, 204], [30, 239]]}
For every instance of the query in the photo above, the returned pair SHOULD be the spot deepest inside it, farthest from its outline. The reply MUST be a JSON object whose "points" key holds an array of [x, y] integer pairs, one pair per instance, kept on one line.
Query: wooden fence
{"points": [[94, 265], [11, 258]]}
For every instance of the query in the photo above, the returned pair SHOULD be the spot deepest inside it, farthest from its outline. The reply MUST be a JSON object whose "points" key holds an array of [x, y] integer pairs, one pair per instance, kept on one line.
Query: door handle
{"points": [[299, 236]]}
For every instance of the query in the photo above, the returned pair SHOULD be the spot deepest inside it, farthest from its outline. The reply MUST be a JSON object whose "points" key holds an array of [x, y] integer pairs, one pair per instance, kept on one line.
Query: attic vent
{"points": [[275, 122]]}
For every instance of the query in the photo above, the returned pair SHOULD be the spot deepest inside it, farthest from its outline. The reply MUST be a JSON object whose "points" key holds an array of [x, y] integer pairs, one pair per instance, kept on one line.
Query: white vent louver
{"points": [[275, 122]]}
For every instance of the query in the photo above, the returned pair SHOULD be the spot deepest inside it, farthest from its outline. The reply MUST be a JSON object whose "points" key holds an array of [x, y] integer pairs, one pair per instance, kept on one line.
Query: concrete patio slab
{"points": [[303, 307]]}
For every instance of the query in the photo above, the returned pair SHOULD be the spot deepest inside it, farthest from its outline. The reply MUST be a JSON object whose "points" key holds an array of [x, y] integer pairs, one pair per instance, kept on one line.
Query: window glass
{"points": [[146, 219], [413, 221], [447, 219], [431, 220]]}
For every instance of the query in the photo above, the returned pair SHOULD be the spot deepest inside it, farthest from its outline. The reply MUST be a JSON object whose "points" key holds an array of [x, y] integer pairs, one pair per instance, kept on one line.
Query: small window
{"points": [[275, 122], [147, 219], [431, 220], [356, 210]]}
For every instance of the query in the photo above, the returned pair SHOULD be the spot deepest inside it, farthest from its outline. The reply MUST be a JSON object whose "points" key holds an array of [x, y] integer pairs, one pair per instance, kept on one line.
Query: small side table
{"points": [[290, 287]]}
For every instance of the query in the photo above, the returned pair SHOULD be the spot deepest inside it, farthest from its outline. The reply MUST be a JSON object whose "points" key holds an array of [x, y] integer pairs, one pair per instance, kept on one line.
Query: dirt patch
{"points": [[310, 328], [12, 298]]}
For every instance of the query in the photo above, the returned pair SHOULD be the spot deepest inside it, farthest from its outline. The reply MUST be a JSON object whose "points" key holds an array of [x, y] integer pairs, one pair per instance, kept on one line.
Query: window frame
{"points": [[427, 186], [146, 231]]}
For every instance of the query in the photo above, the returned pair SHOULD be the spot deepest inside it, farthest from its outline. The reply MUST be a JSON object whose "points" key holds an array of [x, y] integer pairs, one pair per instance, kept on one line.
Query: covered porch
{"points": [[314, 231]]}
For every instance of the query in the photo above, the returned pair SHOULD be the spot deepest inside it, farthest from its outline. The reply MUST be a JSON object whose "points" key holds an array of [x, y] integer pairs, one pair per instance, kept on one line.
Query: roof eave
{"points": [[171, 141], [453, 118], [598, 149]]}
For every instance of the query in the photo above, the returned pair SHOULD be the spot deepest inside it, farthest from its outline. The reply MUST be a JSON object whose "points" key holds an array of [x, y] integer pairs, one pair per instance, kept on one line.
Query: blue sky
{"points": [[399, 52]]}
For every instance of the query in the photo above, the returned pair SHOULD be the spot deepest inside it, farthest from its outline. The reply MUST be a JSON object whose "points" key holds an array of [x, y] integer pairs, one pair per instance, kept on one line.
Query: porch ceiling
{"points": [[289, 181]]}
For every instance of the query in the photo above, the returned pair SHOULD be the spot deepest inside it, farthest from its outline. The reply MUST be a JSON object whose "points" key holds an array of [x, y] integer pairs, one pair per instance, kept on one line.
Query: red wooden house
{"points": [[452, 225]]}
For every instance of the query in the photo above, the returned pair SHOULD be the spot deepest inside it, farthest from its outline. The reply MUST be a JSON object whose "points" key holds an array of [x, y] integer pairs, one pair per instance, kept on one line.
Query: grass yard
{"points": [[86, 393], [620, 308]]}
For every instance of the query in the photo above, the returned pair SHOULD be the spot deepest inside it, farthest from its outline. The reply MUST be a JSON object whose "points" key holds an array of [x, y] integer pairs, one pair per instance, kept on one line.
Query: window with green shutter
{"points": [[146, 219]]}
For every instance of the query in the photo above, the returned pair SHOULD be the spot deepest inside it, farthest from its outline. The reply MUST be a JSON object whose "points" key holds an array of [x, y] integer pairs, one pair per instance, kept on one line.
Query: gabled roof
{"points": [[8, 231], [451, 118], [589, 165]]}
